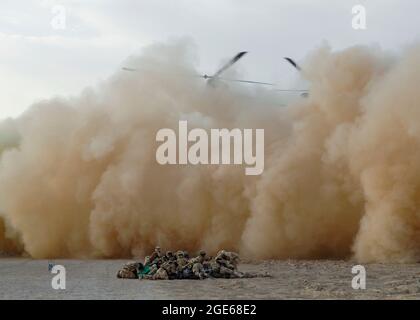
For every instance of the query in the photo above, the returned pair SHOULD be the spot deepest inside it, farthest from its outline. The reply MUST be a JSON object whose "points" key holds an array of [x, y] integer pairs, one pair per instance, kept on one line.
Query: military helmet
{"points": [[157, 248], [202, 253], [180, 253], [169, 253]]}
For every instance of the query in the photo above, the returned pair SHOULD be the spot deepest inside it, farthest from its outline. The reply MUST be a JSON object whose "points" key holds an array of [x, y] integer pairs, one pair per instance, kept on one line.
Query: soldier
{"points": [[129, 270], [197, 265], [155, 256], [200, 258], [171, 268], [233, 258], [153, 269], [181, 262], [170, 256], [215, 267], [225, 265], [180, 258], [198, 271]]}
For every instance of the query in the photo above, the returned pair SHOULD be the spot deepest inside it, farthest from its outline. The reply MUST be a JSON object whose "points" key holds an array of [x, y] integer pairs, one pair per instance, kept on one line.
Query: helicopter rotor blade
{"points": [[293, 63], [245, 81], [230, 63]]}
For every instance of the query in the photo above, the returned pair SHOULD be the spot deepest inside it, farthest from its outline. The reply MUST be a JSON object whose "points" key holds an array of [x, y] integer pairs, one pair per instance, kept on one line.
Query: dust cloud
{"points": [[79, 178]]}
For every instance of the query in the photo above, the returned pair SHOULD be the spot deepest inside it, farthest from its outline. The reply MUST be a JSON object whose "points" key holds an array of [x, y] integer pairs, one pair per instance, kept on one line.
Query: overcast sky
{"points": [[39, 61]]}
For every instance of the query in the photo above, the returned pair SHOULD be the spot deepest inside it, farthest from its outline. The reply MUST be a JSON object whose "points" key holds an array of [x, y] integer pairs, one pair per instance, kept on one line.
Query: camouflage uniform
{"points": [[155, 256], [197, 265], [170, 265], [153, 268], [129, 270], [233, 257], [168, 268], [225, 265], [200, 258], [170, 256], [160, 274], [181, 263]]}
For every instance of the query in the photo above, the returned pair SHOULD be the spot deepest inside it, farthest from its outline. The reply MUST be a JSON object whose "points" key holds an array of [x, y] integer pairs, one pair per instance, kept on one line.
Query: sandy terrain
{"points": [[95, 279]]}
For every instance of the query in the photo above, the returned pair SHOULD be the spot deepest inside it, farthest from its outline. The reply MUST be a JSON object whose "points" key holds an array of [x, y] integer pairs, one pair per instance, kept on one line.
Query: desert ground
{"points": [[321, 279]]}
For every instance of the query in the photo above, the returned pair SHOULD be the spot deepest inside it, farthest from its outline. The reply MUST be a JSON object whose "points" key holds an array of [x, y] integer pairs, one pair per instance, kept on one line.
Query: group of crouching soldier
{"points": [[172, 266]]}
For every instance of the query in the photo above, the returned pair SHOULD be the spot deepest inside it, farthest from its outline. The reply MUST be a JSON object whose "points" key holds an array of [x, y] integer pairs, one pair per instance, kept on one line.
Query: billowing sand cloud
{"points": [[341, 178]]}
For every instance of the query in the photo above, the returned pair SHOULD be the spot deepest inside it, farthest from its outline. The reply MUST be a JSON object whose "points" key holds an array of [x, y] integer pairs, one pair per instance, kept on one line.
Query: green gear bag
{"points": [[145, 271]]}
